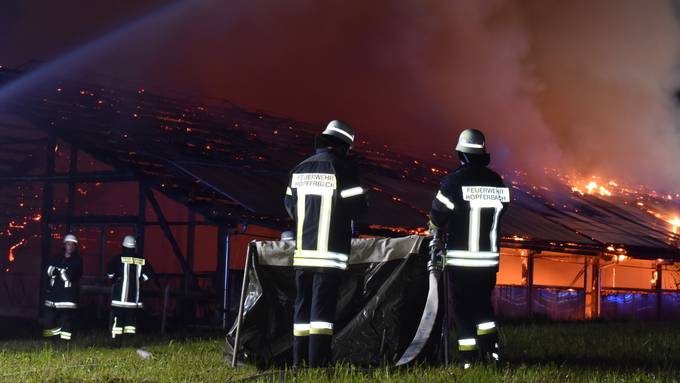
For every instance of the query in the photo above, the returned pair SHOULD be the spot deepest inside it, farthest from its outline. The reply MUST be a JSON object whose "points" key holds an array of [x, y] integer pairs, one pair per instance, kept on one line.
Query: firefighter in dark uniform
{"points": [[63, 285], [128, 271], [323, 197], [465, 226]]}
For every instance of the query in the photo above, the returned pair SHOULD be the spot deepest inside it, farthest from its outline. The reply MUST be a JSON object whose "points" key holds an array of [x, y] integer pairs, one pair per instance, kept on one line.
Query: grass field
{"points": [[557, 352]]}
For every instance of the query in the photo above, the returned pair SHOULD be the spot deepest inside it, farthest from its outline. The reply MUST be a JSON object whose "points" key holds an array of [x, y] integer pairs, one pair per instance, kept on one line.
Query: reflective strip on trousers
{"points": [[115, 330], [486, 328], [129, 329], [467, 344], [51, 331], [301, 329], [61, 305], [65, 335], [320, 328]]}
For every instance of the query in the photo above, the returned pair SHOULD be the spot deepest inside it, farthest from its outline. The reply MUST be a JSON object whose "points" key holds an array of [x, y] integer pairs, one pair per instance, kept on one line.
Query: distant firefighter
{"points": [[63, 273], [467, 210], [323, 197], [128, 271]]}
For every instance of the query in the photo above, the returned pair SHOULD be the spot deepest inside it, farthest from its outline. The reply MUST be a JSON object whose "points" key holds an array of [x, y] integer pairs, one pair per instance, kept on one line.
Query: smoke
{"points": [[608, 72], [475, 71], [410, 74], [580, 85]]}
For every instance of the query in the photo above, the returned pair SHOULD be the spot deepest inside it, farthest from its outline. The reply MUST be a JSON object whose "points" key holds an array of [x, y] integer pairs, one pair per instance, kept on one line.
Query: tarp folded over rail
{"points": [[381, 299]]}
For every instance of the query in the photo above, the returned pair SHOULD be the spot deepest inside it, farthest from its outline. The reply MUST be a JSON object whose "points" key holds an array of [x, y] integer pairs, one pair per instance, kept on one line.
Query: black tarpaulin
{"points": [[381, 299]]}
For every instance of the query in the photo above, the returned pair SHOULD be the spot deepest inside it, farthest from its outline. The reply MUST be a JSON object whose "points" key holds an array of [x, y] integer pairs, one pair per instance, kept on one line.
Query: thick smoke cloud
{"points": [[580, 85], [608, 71]]}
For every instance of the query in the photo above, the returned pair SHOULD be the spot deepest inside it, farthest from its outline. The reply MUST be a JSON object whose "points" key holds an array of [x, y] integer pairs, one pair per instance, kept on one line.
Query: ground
{"points": [[536, 352]]}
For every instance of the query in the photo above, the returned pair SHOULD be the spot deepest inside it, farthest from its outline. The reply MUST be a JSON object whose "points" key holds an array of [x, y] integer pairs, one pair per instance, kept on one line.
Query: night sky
{"points": [[585, 85]]}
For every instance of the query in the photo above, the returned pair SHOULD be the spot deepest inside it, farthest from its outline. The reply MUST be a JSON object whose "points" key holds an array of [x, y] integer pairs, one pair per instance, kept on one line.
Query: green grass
{"points": [[558, 352]]}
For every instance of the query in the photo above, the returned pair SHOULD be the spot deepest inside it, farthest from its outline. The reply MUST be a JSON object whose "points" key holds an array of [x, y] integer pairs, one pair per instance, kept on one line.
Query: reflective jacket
{"points": [[471, 202], [128, 271], [63, 281], [323, 197]]}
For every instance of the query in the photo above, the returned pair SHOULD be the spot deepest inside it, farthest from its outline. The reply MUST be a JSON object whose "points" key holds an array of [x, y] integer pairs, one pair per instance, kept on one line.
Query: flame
{"points": [[591, 186]]}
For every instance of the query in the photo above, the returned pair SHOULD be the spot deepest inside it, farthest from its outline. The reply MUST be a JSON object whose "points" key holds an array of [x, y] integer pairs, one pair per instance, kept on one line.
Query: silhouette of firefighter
{"points": [[127, 271], [63, 274], [465, 225], [323, 197]]}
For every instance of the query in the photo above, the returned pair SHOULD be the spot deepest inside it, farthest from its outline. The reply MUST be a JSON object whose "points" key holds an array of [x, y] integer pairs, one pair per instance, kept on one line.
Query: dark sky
{"points": [[582, 85]]}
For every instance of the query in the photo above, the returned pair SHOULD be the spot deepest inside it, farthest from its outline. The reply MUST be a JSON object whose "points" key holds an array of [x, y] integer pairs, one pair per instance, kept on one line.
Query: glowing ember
{"points": [[675, 222], [11, 257]]}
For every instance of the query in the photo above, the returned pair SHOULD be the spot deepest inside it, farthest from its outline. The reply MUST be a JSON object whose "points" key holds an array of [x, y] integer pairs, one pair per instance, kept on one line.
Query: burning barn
{"points": [[197, 181]]}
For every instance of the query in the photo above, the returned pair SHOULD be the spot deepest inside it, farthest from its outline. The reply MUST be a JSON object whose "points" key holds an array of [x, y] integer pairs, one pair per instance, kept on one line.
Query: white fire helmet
{"points": [[287, 235], [340, 130], [70, 238], [129, 242], [471, 141]]}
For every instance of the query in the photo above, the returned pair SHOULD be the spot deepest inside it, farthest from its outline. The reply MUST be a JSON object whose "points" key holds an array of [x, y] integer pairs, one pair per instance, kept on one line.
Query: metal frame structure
{"points": [[230, 166]]}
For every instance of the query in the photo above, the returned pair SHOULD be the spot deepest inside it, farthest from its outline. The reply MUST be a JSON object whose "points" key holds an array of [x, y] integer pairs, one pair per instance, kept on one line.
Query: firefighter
{"points": [[63, 273], [323, 197], [127, 271], [465, 227]]}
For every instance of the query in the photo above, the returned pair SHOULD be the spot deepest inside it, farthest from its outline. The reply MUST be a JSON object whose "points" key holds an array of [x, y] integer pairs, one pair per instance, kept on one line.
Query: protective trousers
{"points": [[474, 317], [313, 321], [59, 323], [123, 321]]}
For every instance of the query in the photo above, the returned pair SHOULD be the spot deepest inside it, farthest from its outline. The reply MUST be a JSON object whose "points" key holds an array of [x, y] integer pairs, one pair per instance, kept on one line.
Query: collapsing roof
{"points": [[231, 165]]}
